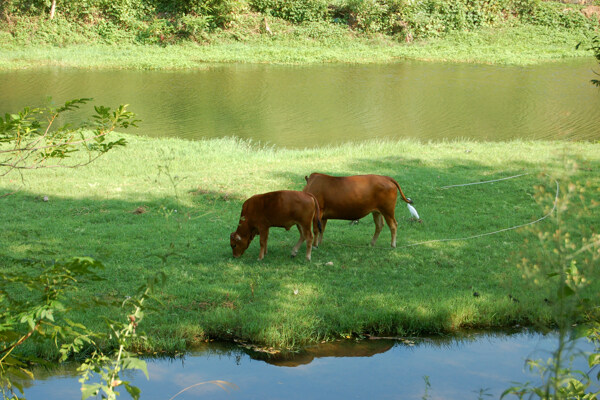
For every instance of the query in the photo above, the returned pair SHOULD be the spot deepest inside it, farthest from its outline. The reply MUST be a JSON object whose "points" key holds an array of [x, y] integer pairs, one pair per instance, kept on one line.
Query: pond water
{"points": [[308, 106], [468, 367]]}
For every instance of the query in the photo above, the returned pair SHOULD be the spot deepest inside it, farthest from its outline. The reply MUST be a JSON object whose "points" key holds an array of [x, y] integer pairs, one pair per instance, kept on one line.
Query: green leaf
{"points": [[133, 391], [565, 291], [88, 391], [136, 363]]}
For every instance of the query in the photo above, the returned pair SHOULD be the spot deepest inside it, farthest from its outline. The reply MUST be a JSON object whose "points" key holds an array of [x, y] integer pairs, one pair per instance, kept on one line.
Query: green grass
{"points": [[192, 194], [518, 45]]}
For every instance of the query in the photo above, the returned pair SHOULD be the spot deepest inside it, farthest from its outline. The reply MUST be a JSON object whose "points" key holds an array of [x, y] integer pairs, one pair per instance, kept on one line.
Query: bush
{"points": [[433, 17], [557, 15], [192, 26], [220, 12], [294, 11], [158, 31], [383, 16]]}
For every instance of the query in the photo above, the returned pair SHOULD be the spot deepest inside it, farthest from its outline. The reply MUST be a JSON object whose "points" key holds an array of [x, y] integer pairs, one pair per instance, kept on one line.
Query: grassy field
{"points": [[166, 204], [518, 45]]}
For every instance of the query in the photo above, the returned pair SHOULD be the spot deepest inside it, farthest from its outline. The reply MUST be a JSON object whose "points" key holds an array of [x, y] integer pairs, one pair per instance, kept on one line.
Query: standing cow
{"points": [[353, 197], [281, 209]]}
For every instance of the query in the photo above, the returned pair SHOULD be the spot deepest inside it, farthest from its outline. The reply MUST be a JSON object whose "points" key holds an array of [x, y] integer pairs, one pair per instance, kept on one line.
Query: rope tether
{"points": [[481, 234]]}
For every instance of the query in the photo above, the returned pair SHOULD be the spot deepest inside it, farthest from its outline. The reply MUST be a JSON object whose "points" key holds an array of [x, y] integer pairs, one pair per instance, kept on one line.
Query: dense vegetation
{"points": [[167, 22]]}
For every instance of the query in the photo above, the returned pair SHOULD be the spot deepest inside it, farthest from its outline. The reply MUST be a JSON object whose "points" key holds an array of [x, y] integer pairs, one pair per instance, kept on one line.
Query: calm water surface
{"points": [[372, 369], [308, 106]]}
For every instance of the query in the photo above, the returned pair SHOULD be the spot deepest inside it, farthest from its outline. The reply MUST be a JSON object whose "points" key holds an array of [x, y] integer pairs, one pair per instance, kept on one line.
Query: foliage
{"points": [[41, 316], [168, 22], [596, 49], [568, 255], [219, 12], [28, 139], [293, 11], [111, 367], [557, 15], [33, 303], [385, 16]]}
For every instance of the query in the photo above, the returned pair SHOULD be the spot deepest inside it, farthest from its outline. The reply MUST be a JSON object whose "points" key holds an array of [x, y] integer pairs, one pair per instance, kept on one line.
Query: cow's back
{"points": [[281, 208], [351, 197]]}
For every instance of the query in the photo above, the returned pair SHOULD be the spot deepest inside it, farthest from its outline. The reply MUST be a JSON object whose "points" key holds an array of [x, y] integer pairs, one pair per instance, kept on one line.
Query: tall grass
{"points": [[517, 46], [171, 204]]}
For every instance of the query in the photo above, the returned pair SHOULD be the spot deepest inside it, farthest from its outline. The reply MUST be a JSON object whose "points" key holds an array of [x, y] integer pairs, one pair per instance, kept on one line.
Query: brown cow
{"points": [[281, 209], [353, 197]]}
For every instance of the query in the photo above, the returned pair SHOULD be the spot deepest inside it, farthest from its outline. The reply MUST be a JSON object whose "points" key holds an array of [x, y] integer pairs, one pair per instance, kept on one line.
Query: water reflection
{"points": [[458, 368], [307, 106]]}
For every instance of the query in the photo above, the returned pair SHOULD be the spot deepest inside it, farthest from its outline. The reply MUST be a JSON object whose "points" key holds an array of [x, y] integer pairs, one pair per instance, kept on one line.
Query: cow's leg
{"points": [[378, 218], [264, 236], [319, 238], [297, 246], [390, 219], [308, 236], [316, 233]]}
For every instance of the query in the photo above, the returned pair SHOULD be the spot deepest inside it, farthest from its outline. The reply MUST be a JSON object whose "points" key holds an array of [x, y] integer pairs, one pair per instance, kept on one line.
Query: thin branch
{"points": [[9, 193], [9, 350], [32, 149], [12, 166]]}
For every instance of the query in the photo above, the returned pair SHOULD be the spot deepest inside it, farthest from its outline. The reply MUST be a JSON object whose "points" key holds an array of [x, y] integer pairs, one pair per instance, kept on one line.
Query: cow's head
{"points": [[238, 244]]}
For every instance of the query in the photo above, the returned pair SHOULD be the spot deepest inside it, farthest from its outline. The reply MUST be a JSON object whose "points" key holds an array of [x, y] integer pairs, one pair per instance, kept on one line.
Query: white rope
{"points": [[494, 232], [487, 233], [479, 183]]}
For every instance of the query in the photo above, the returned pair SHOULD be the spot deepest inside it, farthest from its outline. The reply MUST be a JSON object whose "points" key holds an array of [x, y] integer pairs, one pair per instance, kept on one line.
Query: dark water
{"points": [[308, 106], [458, 368]]}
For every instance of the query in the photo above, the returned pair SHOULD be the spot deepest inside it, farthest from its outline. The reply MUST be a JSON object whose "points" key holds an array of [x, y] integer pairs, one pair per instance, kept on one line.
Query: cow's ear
{"points": [[306, 178], [237, 237]]}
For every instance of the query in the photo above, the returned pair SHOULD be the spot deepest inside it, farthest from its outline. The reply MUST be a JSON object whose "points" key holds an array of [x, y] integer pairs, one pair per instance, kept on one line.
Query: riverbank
{"points": [[521, 45], [174, 210]]}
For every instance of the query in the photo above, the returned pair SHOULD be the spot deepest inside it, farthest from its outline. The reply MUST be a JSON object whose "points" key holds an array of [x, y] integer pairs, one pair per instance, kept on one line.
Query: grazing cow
{"points": [[353, 197], [281, 209]]}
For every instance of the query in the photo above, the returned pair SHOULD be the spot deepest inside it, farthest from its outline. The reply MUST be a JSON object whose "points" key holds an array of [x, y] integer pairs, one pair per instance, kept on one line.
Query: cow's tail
{"points": [[406, 199], [317, 217]]}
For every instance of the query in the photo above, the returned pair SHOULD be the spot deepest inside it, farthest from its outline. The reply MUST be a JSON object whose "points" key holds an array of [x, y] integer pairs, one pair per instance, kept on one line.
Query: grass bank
{"points": [[165, 204], [519, 45]]}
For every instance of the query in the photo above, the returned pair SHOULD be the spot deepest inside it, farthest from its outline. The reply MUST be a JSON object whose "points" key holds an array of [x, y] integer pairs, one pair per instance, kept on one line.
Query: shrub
{"points": [[557, 15], [294, 11], [192, 26], [220, 12], [158, 31], [383, 16]]}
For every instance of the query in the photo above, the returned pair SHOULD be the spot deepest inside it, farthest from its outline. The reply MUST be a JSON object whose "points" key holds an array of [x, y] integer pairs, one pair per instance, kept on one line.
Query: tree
{"points": [[33, 300], [52, 9]]}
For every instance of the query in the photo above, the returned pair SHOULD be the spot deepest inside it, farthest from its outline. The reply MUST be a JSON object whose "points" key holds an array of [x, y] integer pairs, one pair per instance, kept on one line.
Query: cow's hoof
{"points": [[293, 255]]}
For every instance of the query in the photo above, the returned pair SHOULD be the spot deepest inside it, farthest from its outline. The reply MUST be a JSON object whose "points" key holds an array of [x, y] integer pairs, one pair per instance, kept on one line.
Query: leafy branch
{"points": [[29, 139], [110, 367], [568, 254], [30, 306]]}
